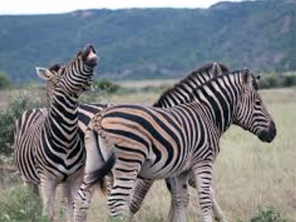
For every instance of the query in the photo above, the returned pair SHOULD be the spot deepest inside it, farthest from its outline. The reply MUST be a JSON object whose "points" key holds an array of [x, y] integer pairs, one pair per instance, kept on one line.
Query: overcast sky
{"points": [[60, 6]]}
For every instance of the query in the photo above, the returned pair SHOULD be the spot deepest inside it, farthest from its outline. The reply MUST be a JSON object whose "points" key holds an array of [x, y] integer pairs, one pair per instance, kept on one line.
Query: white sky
{"points": [[60, 6]]}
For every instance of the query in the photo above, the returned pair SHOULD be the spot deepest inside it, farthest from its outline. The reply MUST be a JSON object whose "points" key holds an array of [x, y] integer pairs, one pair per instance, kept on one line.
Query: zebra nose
{"points": [[89, 56], [272, 128]]}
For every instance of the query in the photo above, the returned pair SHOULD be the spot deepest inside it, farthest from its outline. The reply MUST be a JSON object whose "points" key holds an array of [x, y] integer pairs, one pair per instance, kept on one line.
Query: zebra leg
{"points": [[125, 173], [141, 189], [48, 188], [218, 213], [93, 162], [70, 189], [203, 177], [178, 188]]}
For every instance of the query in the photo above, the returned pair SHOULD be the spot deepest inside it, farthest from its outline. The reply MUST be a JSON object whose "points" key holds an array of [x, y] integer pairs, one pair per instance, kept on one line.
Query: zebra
{"points": [[155, 143], [178, 94], [173, 96], [48, 149]]}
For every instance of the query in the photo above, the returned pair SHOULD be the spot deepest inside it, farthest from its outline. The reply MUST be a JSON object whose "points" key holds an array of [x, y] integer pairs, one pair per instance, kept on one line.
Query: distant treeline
{"points": [[155, 43]]}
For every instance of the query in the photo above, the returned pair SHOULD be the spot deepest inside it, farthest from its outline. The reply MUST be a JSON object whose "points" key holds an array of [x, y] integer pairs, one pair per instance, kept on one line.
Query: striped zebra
{"points": [[155, 143], [176, 95], [48, 150]]}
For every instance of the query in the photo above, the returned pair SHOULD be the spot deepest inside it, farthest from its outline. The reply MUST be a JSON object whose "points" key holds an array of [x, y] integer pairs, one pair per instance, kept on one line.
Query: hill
{"points": [[154, 43]]}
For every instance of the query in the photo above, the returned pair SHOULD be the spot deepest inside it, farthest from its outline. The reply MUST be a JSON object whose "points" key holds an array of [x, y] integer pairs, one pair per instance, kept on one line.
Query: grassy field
{"points": [[248, 176]]}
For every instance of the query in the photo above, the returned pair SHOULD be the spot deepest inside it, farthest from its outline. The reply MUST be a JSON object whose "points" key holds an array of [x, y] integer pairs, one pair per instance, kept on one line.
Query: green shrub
{"points": [[4, 81], [106, 86], [8, 117], [268, 215], [273, 80], [17, 204]]}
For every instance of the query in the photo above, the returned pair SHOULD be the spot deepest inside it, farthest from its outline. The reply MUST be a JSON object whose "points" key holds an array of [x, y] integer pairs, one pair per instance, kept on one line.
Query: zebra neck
{"points": [[219, 106], [63, 116]]}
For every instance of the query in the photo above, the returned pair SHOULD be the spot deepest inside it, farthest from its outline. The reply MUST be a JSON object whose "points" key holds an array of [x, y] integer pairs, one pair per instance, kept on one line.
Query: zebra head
{"points": [[251, 113], [75, 77], [51, 78]]}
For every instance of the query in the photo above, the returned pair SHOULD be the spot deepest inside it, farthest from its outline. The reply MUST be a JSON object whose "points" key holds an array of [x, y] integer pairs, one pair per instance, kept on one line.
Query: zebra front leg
{"points": [[48, 189], [141, 189], [218, 213], [70, 189], [203, 177], [178, 188]]}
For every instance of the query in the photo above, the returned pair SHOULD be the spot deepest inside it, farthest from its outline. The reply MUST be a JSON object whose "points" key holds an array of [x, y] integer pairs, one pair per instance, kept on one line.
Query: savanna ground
{"points": [[249, 175]]}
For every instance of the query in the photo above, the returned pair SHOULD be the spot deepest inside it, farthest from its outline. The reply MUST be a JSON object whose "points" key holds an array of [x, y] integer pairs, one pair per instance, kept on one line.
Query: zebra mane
{"points": [[235, 72], [191, 80]]}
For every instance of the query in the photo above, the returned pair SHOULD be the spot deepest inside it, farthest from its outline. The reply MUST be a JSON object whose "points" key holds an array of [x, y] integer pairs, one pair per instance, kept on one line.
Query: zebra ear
{"points": [[44, 73], [246, 76], [216, 69]]}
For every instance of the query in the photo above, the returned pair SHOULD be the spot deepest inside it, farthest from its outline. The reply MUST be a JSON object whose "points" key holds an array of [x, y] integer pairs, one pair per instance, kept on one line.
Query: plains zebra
{"points": [[178, 94], [156, 143], [48, 150]]}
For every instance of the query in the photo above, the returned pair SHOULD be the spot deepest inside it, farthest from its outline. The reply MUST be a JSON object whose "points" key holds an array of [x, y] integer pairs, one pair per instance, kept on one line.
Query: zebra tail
{"points": [[98, 176]]}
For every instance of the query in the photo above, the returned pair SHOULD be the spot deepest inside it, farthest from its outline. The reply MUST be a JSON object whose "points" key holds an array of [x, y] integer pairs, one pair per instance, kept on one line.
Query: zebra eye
{"points": [[258, 103]]}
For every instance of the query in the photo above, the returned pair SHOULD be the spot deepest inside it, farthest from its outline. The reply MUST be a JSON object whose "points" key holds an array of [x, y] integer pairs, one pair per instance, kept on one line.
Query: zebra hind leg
{"points": [[178, 188], [125, 172], [141, 189]]}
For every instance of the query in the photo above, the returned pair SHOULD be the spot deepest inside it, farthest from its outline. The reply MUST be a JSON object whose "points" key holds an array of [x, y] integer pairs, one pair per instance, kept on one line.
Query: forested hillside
{"points": [[154, 43]]}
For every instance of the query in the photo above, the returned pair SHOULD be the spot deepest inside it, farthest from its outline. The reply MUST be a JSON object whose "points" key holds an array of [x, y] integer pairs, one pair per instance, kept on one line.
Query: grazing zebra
{"points": [[155, 143], [48, 150]]}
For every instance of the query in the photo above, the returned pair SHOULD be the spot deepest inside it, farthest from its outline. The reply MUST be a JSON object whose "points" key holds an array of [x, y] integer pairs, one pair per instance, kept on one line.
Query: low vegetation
{"points": [[254, 181]]}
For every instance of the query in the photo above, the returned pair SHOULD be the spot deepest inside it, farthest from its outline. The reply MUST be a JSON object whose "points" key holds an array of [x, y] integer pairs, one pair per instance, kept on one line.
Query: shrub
{"points": [[8, 117], [106, 86], [273, 80], [268, 215], [4, 81], [17, 204]]}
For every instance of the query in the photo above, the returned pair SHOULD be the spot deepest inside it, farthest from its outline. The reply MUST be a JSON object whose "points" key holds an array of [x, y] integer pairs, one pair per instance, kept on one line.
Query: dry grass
{"points": [[249, 174]]}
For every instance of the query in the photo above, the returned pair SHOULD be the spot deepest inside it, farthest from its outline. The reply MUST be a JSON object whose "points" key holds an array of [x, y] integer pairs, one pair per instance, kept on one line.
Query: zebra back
{"points": [[183, 90]]}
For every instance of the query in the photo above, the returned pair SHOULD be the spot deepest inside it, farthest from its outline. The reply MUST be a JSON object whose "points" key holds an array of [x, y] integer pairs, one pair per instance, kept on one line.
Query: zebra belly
{"points": [[162, 171]]}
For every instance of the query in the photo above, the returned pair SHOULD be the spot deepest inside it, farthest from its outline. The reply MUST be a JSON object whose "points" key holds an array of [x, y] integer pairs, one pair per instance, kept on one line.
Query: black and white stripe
{"points": [[156, 143], [48, 149]]}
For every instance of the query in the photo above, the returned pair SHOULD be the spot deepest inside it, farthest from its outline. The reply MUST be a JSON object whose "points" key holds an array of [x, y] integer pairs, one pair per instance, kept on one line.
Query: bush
{"points": [[273, 80], [4, 81], [268, 215], [17, 204], [8, 117], [106, 86]]}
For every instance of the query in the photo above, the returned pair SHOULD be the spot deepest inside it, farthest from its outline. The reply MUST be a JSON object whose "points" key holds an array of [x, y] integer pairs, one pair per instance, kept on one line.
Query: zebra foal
{"points": [[48, 149], [155, 143]]}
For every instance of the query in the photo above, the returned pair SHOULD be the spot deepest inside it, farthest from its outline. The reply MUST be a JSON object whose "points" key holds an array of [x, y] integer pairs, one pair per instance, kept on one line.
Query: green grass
{"points": [[253, 181], [18, 205]]}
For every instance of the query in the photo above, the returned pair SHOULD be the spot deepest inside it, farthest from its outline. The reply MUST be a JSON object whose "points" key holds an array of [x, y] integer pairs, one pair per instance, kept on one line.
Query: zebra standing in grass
{"points": [[49, 151], [156, 143], [176, 95]]}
